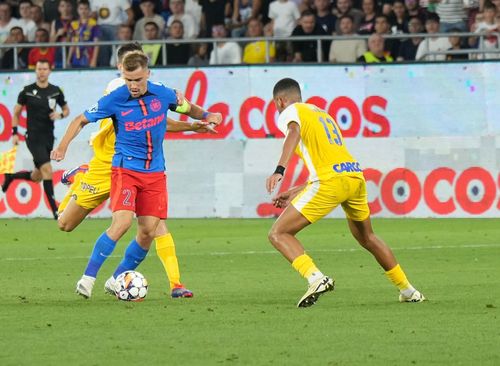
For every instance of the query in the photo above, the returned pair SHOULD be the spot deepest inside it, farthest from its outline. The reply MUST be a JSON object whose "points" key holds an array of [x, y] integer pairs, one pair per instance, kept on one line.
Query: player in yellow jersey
{"points": [[91, 184], [336, 178]]}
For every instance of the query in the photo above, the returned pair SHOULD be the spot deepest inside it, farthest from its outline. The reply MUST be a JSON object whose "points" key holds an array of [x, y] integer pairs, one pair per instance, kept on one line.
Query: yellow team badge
{"points": [[104, 13]]}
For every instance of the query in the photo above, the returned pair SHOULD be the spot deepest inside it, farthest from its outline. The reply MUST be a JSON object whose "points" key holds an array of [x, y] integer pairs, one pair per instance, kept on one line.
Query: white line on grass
{"points": [[259, 252]]}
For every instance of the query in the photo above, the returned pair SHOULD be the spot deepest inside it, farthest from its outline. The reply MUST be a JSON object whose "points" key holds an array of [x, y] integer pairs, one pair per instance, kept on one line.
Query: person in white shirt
{"points": [[225, 52], [25, 22], [431, 44], [490, 27], [149, 15], [7, 22], [347, 50], [191, 28], [284, 15], [109, 17]]}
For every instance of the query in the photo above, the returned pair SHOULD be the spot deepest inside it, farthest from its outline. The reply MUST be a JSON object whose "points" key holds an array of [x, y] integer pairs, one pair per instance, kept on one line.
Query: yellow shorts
{"points": [[319, 198], [89, 189]]}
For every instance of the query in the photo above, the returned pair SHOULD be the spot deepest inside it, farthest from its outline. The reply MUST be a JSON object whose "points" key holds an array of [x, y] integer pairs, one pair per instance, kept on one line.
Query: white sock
{"points": [[314, 277]]}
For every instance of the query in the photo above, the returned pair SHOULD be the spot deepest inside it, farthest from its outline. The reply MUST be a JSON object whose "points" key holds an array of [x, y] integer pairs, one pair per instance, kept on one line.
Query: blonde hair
{"points": [[134, 60]]}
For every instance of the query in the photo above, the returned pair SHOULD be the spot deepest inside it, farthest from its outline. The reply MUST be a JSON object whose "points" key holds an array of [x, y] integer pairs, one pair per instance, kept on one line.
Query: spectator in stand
{"points": [[124, 34], [16, 35], [242, 12], [194, 8], [452, 15], [191, 29], [367, 25], [109, 17], [414, 10], [36, 14], [383, 28], [284, 15], [307, 51], [255, 52], [149, 15], [399, 18], [41, 53], [324, 16], [344, 7], [152, 50], [214, 12], [85, 29], [456, 45], [6, 22], [408, 48], [177, 53], [200, 55], [376, 52], [52, 12], [225, 52], [432, 43], [489, 27], [349, 50], [25, 21], [61, 27]]}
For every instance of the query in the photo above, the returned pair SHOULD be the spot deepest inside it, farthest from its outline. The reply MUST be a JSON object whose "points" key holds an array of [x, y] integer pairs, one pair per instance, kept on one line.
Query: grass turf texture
{"points": [[244, 310]]}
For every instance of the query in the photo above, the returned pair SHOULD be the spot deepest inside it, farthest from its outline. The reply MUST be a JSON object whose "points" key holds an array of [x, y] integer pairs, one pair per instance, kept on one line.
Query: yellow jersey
{"points": [[103, 141], [255, 52], [321, 145]]}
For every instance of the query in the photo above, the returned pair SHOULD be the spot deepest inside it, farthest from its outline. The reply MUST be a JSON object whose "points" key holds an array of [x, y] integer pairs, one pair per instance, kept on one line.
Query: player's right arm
{"points": [[72, 131], [102, 109]]}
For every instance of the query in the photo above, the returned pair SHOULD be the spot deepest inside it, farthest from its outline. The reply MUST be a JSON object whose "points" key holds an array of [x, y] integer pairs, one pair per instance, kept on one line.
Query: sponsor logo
{"points": [[144, 123], [126, 113], [93, 109], [155, 105], [88, 187], [347, 167]]}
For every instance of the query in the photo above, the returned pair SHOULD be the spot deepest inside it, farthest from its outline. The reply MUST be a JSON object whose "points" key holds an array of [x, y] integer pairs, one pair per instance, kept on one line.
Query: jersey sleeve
{"points": [[290, 114], [171, 99], [61, 100], [102, 109], [21, 98]]}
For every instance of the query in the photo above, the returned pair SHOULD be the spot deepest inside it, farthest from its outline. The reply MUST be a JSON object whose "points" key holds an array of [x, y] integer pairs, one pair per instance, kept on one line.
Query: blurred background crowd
{"points": [[42, 21]]}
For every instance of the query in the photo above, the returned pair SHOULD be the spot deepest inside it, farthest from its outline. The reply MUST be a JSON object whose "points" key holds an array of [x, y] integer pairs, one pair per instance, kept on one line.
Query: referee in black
{"points": [[40, 99]]}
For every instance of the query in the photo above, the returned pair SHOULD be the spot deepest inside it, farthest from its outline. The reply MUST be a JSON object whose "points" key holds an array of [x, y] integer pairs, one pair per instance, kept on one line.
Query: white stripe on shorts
{"points": [[307, 196]]}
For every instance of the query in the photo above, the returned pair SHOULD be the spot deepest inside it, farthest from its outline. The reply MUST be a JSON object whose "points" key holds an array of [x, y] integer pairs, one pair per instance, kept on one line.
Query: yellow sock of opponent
{"points": [[304, 265], [398, 278], [165, 248]]}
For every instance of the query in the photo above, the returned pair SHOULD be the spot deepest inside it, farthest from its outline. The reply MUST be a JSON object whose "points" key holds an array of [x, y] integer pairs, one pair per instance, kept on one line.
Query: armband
{"points": [[280, 170], [14, 130], [183, 108], [204, 115]]}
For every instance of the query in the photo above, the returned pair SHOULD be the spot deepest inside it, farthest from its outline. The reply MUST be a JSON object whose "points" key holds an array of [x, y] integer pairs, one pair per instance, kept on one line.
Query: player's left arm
{"points": [[196, 112], [196, 126], [72, 131], [291, 141]]}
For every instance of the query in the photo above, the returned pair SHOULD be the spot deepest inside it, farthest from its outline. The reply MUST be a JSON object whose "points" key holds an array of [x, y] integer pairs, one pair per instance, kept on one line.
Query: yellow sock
{"points": [[165, 248], [304, 265], [398, 278]]}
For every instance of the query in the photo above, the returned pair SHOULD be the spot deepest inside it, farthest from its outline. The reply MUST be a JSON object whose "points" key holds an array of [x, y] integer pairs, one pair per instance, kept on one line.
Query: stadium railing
{"points": [[481, 50]]}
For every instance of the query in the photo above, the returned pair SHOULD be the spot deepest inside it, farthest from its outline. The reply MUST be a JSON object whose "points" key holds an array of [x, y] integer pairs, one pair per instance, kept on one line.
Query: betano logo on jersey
{"points": [[144, 123], [347, 167]]}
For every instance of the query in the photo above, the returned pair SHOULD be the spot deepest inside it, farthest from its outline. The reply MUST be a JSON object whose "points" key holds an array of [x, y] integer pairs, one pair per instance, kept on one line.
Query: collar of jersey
{"points": [[141, 96]]}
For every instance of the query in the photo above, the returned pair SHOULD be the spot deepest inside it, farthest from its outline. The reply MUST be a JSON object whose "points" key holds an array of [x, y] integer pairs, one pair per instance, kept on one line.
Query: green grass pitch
{"points": [[243, 312]]}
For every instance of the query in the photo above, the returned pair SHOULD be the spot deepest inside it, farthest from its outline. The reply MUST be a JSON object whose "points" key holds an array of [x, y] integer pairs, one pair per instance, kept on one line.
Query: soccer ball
{"points": [[131, 286]]}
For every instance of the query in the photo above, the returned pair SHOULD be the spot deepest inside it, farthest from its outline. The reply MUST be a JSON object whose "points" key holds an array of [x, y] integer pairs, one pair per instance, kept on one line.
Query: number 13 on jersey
{"points": [[331, 129]]}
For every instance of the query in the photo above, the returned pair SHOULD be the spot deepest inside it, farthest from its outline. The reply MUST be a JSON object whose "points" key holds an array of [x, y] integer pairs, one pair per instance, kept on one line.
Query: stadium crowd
{"points": [[39, 21]]}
